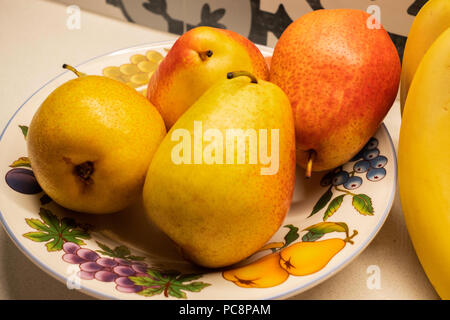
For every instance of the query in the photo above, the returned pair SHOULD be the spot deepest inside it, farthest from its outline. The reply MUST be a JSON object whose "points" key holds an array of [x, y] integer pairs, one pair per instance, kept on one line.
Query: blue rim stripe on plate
{"points": [[98, 294]]}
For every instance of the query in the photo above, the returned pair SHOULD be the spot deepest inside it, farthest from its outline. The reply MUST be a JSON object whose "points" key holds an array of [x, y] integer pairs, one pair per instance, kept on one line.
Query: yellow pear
{"points": [[303, 258], [221, 182], [263, 273], [91, 141]]}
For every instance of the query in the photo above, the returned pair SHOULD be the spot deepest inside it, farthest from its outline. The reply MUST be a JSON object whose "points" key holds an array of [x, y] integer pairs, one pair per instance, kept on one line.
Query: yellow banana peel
{"points": [[431, 21], [423, 163]]}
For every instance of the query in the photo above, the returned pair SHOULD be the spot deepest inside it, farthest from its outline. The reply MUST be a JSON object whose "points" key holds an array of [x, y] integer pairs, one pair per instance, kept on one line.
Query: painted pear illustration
{"points": [[303, 258], [262, 273], [91, 141], [222, 180]]}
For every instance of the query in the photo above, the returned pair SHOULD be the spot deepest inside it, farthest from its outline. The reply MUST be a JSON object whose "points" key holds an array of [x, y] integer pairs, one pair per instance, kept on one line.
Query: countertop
{"points": [[36, 42]]}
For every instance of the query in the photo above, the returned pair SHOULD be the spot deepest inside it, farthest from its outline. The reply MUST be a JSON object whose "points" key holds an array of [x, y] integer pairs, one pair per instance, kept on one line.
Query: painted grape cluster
{"points": [[128, 272], [105, 269]]}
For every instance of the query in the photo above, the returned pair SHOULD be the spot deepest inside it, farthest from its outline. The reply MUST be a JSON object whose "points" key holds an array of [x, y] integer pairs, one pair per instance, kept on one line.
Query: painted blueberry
{"points": [[353, 183], [327, 179], [372, 144], [361, 166], [378, 162], [376, 174], [371, 154], [340, 178], [23, 181]]}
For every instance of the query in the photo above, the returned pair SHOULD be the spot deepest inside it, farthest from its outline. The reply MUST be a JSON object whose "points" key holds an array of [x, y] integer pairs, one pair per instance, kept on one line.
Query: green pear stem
{"points": [[78, 73], [234, 74], [311, 157]]}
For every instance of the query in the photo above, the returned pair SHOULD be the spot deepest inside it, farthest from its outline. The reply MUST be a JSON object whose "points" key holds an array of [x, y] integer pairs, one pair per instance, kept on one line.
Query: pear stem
{"points": [[78, 73], [234, 74], [205, 54], [349, 239], [311, 157]]}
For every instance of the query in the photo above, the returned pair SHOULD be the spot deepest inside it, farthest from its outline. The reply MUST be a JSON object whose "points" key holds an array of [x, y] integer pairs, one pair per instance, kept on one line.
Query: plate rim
{"points": [[100, 295]]}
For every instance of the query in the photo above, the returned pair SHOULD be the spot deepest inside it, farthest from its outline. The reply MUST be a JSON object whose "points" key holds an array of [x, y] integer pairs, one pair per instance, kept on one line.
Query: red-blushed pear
{"points": [[196, 61], [341, 74]]}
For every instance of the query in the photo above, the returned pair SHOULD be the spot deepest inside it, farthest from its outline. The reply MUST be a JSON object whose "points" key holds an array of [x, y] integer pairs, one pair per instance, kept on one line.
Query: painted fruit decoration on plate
{"points": [[210, 91]]}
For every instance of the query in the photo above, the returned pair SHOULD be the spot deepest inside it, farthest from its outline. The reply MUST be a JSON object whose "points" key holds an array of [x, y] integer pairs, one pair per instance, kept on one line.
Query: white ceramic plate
{"points": [[139, 262]]}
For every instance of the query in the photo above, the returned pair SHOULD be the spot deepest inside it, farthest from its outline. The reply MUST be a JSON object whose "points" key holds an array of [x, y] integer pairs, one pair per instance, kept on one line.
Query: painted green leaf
{"points": [[171, 283], [55, 231], [122, 251], [118, 252], [291, 236], [144, 281], [324, 199], [55, 245], [327, 227], [316, 231], [188, 277], [195, 286], [176, 292], [149, 292], [105, 249], [333, 206], [37, 224], [311, 236], [24, 130], [38, 236], [363, 204], [155, 274], [21, 162], [74, 235], [50, 219]]}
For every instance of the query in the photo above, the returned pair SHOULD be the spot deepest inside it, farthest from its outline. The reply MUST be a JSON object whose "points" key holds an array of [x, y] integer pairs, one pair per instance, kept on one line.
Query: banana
{"points": [[431, 21], [423, 163]]}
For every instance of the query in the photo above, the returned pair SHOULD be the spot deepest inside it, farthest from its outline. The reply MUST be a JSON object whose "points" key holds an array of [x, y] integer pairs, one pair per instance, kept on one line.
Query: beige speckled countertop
{"points": [[35, 43]]}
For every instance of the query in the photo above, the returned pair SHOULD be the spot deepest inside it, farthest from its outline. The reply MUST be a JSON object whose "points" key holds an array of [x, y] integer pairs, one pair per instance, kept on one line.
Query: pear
{"points": [[91, 141], [341, 78], [304, 258], [263, 273], [198, 58], [219, 198]]}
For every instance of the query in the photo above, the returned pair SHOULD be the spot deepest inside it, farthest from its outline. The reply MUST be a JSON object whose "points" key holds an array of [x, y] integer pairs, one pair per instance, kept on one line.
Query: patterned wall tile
{"points": [[262, 21]]}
